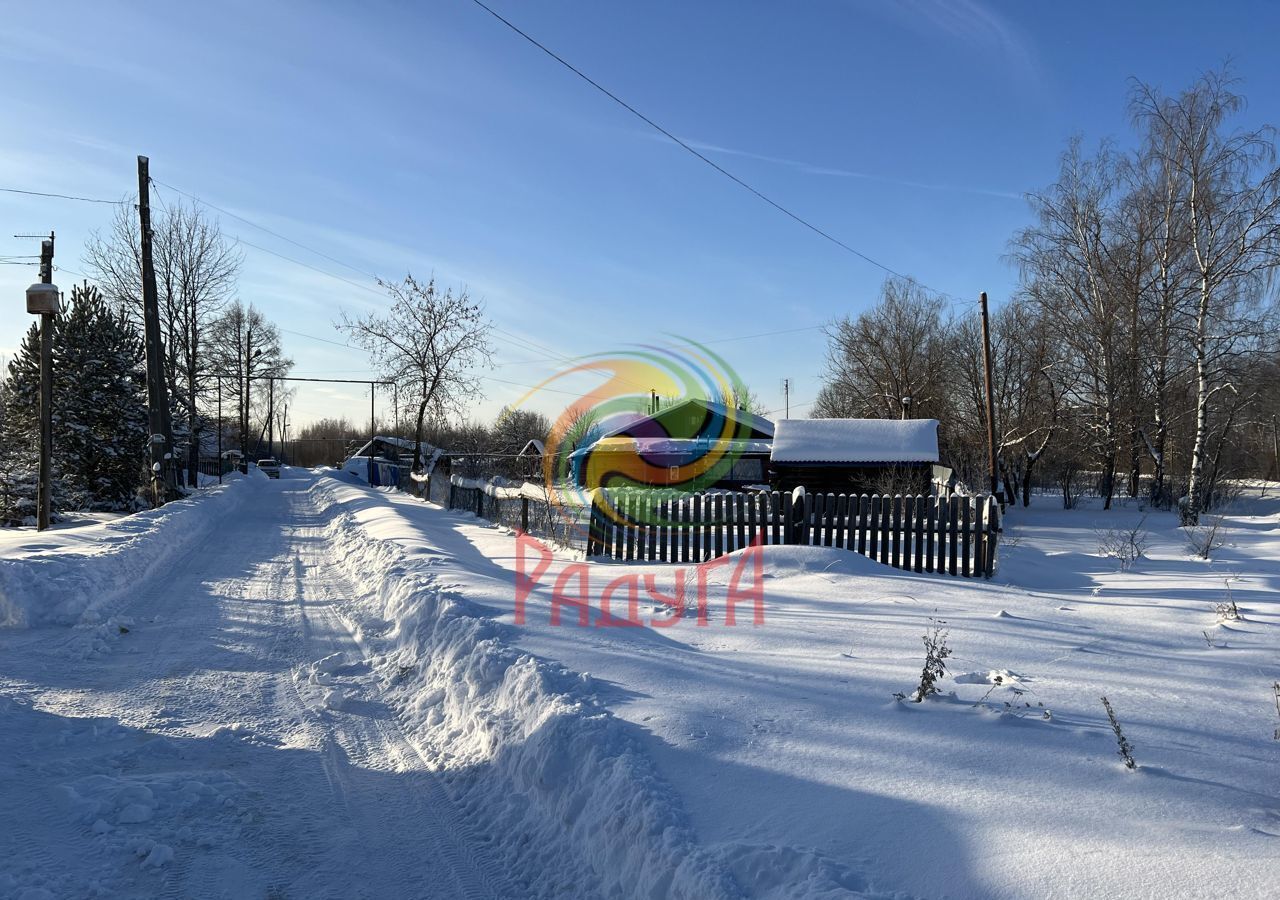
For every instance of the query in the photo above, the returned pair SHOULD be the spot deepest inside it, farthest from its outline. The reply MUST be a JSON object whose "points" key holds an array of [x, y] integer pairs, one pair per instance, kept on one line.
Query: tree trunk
{"points": [[1195, 485], [417, 436], [1108, 477]]}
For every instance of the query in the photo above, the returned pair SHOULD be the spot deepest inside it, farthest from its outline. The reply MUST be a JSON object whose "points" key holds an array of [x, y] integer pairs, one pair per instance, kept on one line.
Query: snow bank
{"points": [[68, 582], [568, 799]]}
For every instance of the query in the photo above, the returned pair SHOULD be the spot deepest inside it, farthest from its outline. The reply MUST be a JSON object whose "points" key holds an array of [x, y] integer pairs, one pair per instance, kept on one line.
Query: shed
{"points": [[854, 455]]}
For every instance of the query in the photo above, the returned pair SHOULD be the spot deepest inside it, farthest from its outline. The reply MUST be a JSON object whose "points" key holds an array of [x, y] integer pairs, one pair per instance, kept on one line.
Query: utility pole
{"points": [[786, 394], [991, 403], [271, 417], [157, 393], [1275, 445], [219, 429], [44, 486], [373, 429], [245, 386]]}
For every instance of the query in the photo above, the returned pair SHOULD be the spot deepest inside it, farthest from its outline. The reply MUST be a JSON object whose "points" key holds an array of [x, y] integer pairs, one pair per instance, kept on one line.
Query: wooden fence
{"points": [[954, 535]]}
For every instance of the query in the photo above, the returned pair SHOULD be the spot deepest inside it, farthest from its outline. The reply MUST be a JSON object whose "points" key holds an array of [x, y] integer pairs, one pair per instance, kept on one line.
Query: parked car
{"points": [[270, 467]]}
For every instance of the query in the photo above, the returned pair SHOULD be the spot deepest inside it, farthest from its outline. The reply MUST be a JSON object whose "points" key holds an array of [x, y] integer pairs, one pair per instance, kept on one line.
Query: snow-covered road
{"points": [[199, 741], [313, 688]]}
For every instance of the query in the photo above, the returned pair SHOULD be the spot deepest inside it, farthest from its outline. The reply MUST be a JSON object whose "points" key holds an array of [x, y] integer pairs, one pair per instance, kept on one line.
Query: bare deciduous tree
{"points": [[889, 362], [244, 345], [429, 342], [1231, 204], [196, 271]]}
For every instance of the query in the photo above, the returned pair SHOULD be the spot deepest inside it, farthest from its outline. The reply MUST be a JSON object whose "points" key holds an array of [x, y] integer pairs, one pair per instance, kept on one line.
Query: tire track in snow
{"points": [[376, 742], [327, 803]]}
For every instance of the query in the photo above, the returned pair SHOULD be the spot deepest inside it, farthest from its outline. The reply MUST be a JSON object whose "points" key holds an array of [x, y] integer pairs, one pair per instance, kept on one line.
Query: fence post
{"points": [[863, 521], [993, 535], [842, 513], [452, 491], [886, 529], [897, 531], [980, 538], [931, 526], [873, 528], [905, 527], [664, 529], [682, 529], [966, 520], [608, 518], [788, 527], [953, 531], [593, 529], [524, 514]]}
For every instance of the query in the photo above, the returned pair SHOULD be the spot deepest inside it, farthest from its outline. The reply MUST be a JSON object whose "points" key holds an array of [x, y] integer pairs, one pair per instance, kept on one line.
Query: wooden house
{"points": [[694, 444]]}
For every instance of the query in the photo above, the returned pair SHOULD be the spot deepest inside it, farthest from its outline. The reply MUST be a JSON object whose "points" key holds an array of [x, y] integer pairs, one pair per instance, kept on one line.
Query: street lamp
{"points": [[44, 300]]}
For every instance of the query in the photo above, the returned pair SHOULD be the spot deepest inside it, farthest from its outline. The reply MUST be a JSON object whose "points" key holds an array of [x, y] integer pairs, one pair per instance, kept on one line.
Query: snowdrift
{"points": [[77, 581], [564, 793]]}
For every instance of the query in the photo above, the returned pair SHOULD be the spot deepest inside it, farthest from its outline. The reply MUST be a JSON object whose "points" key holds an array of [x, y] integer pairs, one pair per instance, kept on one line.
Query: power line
{"points": [[793, 406], [699, 155], [315, 338], [276, 234], [298, 262], [747, 337], [62, 196]]}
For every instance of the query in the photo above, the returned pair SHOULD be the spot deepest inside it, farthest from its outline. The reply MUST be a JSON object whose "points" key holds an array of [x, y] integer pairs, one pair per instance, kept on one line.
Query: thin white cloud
{"points": [[970, 23], [836, 172]]}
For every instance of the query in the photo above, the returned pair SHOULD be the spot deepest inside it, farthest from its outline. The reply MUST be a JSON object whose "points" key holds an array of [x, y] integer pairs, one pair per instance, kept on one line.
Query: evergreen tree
{"points": [[99, 413], [100, 418], [20, 433]]}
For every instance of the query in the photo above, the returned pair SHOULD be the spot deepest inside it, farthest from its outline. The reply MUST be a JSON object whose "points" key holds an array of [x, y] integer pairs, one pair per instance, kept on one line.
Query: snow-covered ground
{"points": [[314, 688]]}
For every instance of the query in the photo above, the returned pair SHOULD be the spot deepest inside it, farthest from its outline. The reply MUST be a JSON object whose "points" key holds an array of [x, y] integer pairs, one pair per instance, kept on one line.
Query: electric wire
{"points": [[703, 157], [63, 196]]}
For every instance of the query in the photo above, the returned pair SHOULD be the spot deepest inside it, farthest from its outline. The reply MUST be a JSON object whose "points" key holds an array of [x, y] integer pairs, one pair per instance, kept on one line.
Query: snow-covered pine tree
{"points": [[100, 413], [20, 433]]}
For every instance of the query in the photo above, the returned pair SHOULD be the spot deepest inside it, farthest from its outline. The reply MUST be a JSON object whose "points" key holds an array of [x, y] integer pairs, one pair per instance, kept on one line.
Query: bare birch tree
{"points": [[1231, 203], [1069, 261]]}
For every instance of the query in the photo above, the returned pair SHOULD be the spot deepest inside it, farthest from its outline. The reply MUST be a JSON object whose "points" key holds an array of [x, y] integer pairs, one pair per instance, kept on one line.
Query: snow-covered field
{"points": [[311, 688]]}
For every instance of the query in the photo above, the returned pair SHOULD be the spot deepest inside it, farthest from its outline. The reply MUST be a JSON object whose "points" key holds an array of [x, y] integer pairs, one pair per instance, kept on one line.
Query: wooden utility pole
{"points": [[44, 483], [246, 388], [373, 429], [786, 398], [219, 429], [161, 440], [1275, 448], [271, 417], [991, 403]]}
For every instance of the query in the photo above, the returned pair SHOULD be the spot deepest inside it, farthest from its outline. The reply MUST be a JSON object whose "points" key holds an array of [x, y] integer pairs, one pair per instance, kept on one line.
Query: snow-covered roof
{"points": [[694, 447], [855, 440], [534, 447], [401, 443], [736, 416]]}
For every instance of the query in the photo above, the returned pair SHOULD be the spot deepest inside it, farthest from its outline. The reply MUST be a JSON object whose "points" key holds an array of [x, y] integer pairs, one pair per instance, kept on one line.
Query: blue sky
{"points": [[428, 137]]}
